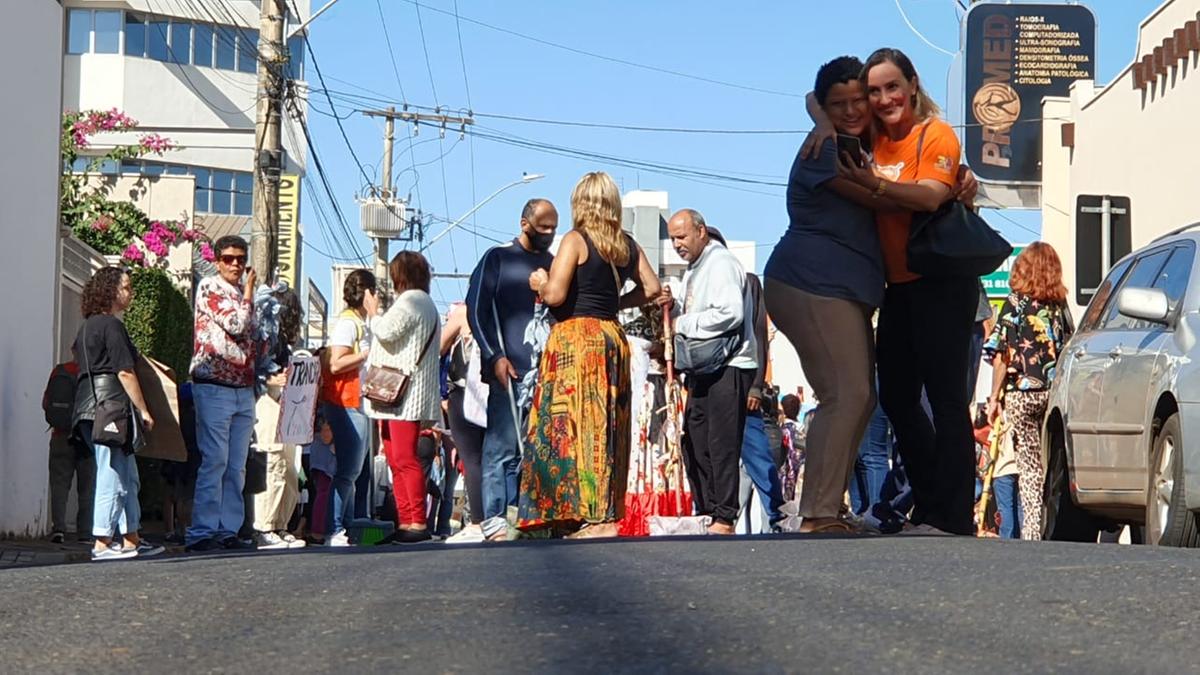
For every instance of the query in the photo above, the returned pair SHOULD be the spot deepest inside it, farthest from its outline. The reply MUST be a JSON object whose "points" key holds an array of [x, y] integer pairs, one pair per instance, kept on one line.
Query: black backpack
{"points": [[58, 401]]}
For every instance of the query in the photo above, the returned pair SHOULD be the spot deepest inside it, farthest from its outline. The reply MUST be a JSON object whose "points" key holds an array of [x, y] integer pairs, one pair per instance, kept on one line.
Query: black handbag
{"points": [[114, 418], [953, 241], [704, 356]]}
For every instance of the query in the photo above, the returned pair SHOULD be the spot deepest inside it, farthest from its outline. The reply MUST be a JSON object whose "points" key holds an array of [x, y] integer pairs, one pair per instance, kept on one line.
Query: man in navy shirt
{"points": [[500, 306]]}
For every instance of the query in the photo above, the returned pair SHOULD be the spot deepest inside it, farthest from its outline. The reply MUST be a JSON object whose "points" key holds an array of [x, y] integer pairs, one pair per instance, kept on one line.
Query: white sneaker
{"points": [[290, 540], [471, 534], [268, 541], [339, 540]]}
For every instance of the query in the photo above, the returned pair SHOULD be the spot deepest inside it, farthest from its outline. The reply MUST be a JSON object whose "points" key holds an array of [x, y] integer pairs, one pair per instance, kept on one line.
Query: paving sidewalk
{"points": [[36, 552]]}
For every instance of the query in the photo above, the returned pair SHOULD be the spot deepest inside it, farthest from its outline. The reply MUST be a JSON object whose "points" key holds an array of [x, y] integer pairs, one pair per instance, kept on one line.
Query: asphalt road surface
{"points": [[907, 604]]}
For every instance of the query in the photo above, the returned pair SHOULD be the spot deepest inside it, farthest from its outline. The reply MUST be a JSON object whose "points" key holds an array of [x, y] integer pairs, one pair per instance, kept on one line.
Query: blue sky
{"points": [[748, 46]]}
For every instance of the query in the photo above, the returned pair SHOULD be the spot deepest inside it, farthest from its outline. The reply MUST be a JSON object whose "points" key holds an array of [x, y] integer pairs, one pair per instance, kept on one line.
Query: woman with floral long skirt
{"points": [[576, 458]]}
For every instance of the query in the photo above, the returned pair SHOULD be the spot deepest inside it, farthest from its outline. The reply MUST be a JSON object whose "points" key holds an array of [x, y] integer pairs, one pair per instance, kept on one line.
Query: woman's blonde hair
{"points": [[596, 212], [924, 107]]}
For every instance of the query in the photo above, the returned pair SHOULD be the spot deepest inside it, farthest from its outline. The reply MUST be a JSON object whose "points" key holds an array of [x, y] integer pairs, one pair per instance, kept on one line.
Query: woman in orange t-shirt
{"points": [[923, 338]]}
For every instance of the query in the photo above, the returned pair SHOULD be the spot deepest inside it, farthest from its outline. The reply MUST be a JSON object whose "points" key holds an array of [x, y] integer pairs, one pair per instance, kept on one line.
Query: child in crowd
{"points": [[322, 464]]}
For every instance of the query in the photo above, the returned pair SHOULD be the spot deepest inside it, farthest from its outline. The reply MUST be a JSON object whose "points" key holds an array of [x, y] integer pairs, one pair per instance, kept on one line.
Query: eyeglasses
{"points": [[231, 259]]}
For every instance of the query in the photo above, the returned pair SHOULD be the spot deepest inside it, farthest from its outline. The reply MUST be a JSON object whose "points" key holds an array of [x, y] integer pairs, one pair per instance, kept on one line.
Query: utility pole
{"points": [[267, 142], [385, 192], [381, 243]]}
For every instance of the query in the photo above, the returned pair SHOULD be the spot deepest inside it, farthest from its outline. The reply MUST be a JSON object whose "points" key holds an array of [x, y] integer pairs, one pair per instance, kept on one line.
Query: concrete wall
{"points": [[31, 36]]}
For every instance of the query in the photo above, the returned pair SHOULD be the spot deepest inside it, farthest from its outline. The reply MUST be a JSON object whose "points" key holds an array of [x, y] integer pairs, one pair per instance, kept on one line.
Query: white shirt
{"points": [[715, 302], [343, 334]]}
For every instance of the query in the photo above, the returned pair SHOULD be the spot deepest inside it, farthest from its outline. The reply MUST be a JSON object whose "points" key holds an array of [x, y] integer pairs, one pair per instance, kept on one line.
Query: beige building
{"points": [[1117, 159]]}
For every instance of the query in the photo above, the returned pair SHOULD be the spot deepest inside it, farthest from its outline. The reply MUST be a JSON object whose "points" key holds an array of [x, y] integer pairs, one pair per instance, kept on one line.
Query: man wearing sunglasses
{"points": [[223, 390]]}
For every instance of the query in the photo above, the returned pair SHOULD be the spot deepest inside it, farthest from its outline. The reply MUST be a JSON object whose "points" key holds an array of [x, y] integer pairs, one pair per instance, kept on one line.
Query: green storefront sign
{"points": [[996, 283]]}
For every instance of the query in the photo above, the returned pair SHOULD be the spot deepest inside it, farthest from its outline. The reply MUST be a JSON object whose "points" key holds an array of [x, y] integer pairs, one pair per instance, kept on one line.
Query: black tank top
{"points": [[594, 291]]}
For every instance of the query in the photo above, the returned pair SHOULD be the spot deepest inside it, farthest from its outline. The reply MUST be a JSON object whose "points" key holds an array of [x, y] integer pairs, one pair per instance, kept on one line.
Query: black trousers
{"points": [[924, 342], [468, 438], [712, 444]]}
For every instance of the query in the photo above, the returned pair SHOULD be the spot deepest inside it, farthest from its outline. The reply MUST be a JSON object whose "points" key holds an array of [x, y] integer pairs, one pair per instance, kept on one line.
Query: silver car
{"points": [[1122, 434]]}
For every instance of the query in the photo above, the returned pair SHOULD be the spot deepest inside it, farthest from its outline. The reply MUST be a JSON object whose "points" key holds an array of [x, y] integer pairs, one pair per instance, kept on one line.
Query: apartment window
{"points": [[222, 191], [156, 45], [1089, 240], [131, 167], [226, 48], [79, 31], [202, 38], [108, 32], [152, 169], [243, 198], [296, 58], [177, 170], [135, 34], [181, 42], [203, 191], [248, 51]]}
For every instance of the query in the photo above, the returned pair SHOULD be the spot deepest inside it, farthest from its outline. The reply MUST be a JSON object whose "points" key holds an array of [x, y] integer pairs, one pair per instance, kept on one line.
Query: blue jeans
{"points": [[224, 425], [871, 467], [760, 467], [1008, 506], [350, 428], [115, 503], [501, 455]]}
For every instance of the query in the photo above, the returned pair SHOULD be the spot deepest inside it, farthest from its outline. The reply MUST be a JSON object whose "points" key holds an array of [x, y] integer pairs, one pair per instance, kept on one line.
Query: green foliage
{"points": [[108, 226], [160, 320]]}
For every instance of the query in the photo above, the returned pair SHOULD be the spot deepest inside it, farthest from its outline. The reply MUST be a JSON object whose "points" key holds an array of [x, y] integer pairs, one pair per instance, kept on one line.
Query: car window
{"points": [[1173, 279], [1142, 275], [1095, 309]]}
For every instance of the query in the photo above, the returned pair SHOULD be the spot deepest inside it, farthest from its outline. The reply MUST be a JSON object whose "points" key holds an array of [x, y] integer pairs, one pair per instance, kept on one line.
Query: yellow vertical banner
{"points": [[289, 229]]}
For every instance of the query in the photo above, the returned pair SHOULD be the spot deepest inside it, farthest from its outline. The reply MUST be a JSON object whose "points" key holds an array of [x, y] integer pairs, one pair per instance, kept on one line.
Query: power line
{"points": [[1032, 231], [358, 99], [610, 59], [391, 52], [462, 58], [321, 78], [916, 32]]}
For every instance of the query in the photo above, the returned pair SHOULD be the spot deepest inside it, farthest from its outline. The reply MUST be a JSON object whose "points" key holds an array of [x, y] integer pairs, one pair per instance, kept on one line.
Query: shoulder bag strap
{"points": [[428, 342], [87, 364], [921, 143]]}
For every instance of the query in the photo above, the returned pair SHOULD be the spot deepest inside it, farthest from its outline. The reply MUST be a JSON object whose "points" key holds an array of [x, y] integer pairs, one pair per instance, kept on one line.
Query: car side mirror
{"points": [[1148, 304]]}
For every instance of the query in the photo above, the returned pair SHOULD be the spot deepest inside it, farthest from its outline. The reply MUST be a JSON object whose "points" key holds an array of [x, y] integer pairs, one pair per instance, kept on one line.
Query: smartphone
{"points": [[851, 145]]}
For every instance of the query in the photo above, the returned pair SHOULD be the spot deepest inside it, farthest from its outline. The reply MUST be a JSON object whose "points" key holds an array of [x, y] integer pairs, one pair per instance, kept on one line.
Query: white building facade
{"points": [[1116, 159], [185, 69]]}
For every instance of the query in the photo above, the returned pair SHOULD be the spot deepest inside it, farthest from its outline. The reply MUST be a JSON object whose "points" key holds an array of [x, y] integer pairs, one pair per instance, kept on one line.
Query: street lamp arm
{"points": [[528, 178], [312, 17]]}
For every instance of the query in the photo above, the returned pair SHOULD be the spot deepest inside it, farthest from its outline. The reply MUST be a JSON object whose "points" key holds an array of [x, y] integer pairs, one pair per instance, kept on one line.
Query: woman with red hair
{"points": [[1033, 327]]}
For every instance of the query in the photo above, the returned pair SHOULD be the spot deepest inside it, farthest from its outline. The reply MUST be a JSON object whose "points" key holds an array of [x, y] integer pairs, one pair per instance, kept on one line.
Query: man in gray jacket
{"points": [[714, 304]]}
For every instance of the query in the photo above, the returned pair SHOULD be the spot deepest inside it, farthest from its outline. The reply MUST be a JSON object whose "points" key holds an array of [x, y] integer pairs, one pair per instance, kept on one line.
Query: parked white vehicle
{"points": [[1122, 431]]}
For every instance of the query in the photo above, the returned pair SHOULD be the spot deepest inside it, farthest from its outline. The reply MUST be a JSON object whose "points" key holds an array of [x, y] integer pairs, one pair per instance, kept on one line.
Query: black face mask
{"points": [[539, 241]]}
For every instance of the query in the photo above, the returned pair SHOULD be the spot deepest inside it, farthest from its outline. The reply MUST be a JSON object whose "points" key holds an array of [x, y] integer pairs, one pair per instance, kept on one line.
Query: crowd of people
{"points": [[554, 376]]}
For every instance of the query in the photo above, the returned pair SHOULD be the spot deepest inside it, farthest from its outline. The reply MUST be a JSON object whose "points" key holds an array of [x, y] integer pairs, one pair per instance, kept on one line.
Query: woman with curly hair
{"points": [[573, 469], [1024, 347], [107, 357]]}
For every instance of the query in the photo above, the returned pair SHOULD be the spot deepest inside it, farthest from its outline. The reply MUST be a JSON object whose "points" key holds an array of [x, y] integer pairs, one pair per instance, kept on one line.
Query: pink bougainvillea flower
{"points": [[207, 253], [133, 254], [155, 143], [102, 223]]}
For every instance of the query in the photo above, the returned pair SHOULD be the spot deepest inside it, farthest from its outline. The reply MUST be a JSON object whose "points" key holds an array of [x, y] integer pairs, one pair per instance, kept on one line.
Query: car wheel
{"points": [[1063, 519], [1168, 522]]}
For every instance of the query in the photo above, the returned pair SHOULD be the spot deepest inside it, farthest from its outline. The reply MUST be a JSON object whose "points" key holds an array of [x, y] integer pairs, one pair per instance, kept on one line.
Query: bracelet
{"points": [[880, 189]]}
